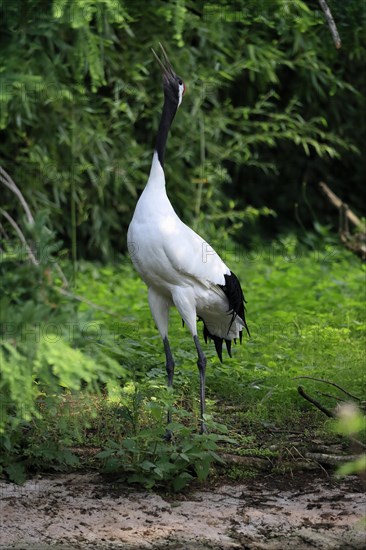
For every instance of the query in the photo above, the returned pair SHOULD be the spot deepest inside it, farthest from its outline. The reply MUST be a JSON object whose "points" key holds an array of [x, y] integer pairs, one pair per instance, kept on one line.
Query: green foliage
{"points": [[357, 466], [80, 101], [304, 313], [305, 318], [102, 385], [148, 460], [351, 422], [47, 349]]}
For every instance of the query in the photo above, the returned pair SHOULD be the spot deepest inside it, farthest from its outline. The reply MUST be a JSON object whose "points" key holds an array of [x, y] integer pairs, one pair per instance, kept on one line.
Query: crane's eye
{"points": [[182, 86]]}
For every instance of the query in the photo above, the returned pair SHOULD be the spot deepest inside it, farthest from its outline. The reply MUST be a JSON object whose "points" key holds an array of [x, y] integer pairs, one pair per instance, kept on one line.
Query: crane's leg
{"points": [[185, 301], [160, 311], [169, 370], [201, 363]]}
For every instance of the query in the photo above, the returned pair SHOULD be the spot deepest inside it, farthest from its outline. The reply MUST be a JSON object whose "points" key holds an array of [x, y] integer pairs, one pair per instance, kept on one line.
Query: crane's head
{"points": [[173, 85]]}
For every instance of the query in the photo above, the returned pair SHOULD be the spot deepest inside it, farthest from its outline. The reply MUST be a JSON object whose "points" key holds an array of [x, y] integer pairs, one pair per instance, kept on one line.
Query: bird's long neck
{"points": [[169, 110]]}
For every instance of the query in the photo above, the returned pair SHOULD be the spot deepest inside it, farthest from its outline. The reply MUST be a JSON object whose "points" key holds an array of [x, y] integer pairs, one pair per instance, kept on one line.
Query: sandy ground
{"points": [[85, 511]]}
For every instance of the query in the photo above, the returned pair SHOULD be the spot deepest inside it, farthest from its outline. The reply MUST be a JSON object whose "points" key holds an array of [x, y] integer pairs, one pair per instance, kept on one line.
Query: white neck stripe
{"points": [[181, 90]]}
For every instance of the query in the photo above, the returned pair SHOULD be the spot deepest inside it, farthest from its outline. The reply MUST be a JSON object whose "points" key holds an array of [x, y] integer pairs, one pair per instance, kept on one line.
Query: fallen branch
{"points": [[331, 23], [330, 383], [316, 403], [266, 465], [303, 456], [332, 448], [324, 410], [324, 394], [330, 460], [357, 442]]}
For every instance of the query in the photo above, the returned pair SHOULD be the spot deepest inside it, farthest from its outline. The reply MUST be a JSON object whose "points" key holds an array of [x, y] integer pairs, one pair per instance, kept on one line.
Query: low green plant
{"points": [[240, 473], [149, 460], [351, 422]]}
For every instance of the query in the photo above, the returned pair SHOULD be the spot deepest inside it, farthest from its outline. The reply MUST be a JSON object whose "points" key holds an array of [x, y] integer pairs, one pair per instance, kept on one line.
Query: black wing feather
{"points": [[235, 296], [228, 346], [218, 346]]}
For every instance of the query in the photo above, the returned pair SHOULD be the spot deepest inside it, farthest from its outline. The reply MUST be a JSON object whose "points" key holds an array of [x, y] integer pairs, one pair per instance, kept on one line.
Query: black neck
{"points": [[169, 110]]}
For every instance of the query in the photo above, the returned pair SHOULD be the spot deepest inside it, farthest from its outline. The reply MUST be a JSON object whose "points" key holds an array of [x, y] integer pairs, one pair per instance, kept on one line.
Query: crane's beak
{"points": [[164, 63]]}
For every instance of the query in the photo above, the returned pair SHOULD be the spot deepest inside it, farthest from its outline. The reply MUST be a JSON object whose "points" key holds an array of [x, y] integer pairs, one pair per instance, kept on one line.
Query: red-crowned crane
{"points": [[174, 261]]}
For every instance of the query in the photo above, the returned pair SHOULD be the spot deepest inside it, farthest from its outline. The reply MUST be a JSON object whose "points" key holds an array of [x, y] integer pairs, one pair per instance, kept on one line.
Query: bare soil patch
{"points": [[81, 511]]}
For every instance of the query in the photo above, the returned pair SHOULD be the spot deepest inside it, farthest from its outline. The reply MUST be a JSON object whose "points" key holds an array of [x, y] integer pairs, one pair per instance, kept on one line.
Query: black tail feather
{"points": [[218, 345], [205, 331], [218, 341], [236, 300], [228, 347], [235, 297]]}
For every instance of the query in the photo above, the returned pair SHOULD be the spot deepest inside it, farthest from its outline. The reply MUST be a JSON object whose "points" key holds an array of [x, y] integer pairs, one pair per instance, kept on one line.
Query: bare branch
{"points": [[330, 383], [3, 231], [327, 412], [35, 262], [65, 282], [331, 23], [330, 460], [330, 396], [357, 442], [316, 403], [6, 180], [338, 203], [13, 223]]}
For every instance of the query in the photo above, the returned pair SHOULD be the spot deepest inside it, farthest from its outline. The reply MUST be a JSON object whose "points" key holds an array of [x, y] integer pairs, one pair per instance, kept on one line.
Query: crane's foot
{"points": [[168, 436], [203, 428]]}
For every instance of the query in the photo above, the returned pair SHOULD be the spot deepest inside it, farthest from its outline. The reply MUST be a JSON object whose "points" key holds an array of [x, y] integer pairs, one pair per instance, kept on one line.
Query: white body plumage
{"points": [[177, 265]]}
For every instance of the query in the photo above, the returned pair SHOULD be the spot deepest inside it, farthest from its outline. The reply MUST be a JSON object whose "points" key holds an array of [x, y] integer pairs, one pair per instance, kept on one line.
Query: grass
{"points": [[306, 318]]}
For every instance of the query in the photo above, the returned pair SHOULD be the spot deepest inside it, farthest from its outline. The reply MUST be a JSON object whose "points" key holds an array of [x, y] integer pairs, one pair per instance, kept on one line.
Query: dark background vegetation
{"points": [[271, 109]]}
